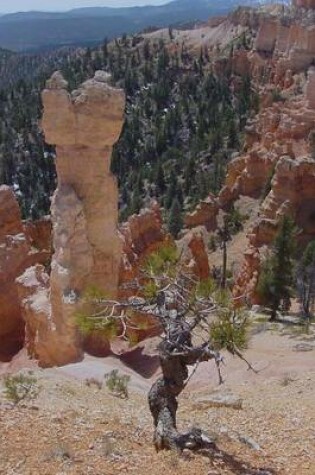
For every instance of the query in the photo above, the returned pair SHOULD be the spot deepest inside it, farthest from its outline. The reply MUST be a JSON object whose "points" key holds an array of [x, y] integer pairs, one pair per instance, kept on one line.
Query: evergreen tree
{"points": [[171, 190], [160, 179], [306, 279], [276, 279], [175, 220]]}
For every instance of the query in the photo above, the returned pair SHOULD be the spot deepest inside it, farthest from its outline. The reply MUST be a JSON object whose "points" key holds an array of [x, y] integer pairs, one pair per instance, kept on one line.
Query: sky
{"points": [[62, 5]]}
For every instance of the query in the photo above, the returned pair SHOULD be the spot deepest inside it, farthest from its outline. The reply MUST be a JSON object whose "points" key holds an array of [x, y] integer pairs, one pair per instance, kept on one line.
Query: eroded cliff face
{"points": [[281, 129], [276, 165], [292, 194], [279, 150], [141, 235], [17, 253], [14, 250], [205, 214]]}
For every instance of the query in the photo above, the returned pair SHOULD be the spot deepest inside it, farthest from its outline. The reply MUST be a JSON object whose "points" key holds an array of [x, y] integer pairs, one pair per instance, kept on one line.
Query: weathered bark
{"points": [[176, 353]]}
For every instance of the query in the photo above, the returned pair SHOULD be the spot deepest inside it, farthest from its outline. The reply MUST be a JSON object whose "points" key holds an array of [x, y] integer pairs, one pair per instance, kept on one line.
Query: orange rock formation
{"points": [[84, 126], [17, 252]]}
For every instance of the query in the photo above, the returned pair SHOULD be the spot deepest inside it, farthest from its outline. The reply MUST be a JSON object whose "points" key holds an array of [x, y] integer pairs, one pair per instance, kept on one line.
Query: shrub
{"points": [[20, 387], [94, 382], [117, 384]]}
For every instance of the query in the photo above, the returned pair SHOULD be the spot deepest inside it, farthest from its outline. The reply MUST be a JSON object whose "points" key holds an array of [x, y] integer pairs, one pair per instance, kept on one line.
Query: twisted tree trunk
{"points": [[176, 353]]}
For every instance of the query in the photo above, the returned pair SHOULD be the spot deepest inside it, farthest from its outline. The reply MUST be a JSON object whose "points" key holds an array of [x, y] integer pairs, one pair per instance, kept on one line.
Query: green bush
{"points": [[117, 384], [20, 387]]}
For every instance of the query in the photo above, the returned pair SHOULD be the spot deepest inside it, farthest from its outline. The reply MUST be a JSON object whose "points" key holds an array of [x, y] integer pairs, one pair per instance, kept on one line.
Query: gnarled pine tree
{"points": [[197, 320]]}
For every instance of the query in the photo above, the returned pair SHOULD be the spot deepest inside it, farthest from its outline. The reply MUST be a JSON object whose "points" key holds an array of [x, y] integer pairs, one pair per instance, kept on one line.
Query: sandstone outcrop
{"points": [[277, 131], [22, 244], [205, 214], [194, 253], [41, 339], [244, 290], [39, 235], [84, 125], [141, 235], [288, 40], [292, 194], [277, 160], [14, 253]]}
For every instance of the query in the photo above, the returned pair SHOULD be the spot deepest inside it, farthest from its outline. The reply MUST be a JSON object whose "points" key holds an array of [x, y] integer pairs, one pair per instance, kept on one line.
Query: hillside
{"points": [[35, 31], [177, 130], [81, 429]]}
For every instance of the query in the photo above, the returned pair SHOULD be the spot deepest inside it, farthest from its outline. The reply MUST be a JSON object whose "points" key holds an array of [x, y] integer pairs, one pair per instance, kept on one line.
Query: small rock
{"points": [[301, 347], [219, 400], [249, 442], [102, 76]]}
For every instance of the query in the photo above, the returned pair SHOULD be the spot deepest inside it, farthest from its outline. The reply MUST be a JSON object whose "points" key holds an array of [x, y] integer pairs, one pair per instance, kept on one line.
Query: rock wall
{"points": [[277, 160], [141, 235], [39, 234], [292, 194], [287, 39], [14, 250], [17, 252], [205, 214], [194, 257], [279, 130]]}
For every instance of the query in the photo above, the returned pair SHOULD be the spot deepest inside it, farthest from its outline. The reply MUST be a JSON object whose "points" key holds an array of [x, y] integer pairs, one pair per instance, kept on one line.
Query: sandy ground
{"points": [[73, 428]]}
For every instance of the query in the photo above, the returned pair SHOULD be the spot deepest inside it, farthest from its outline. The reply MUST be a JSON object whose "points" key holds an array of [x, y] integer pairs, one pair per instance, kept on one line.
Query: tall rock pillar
{"points": [[84, 126]]}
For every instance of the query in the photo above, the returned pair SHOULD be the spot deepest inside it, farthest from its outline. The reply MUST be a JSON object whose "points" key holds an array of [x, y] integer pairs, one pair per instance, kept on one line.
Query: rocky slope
{"points": [[263, 424], [277, 162], [279, 148]]}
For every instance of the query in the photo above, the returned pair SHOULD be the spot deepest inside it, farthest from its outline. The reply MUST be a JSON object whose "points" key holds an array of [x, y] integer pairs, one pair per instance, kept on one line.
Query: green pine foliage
{"points": [[163, 261], [230, 331], [277, 276], [183, 123], [175, 221], [306, 279]]}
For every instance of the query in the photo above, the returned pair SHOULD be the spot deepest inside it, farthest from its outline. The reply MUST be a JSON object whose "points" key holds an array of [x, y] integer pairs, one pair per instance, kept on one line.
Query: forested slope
{"points": [[183, 122]]}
